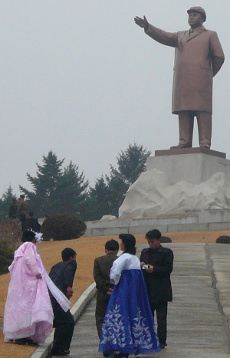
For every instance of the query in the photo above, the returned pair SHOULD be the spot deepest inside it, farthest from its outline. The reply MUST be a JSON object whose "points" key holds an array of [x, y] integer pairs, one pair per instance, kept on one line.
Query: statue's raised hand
{"points": [[141, 22]]}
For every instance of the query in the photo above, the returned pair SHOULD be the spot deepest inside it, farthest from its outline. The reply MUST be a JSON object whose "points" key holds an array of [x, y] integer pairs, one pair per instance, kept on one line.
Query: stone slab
{"points": [[211, 220], [179, 151]]}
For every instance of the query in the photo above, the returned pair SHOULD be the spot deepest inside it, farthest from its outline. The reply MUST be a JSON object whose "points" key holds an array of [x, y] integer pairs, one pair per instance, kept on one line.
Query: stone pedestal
{"points": [[194, 165], [180, 181]]}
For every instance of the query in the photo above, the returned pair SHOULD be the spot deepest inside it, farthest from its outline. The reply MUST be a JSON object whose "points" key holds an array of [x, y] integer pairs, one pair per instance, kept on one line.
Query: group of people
{"points": [[36, 302], [129, 292], [21, 218]]}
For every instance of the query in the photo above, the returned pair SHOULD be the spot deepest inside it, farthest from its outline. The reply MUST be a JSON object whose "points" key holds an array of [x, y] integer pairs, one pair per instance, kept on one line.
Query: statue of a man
{"points": [[198, 58]]}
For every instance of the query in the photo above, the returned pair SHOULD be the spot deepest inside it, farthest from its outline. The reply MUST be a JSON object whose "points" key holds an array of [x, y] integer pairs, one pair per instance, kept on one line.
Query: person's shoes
{"points": [[106, 354], [61, 352], [21, 341], [163, 345], [30, 342]]}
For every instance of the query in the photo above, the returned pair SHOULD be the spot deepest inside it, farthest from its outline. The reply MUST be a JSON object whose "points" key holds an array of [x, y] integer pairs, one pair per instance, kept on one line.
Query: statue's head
{"points": [[197, 9]]}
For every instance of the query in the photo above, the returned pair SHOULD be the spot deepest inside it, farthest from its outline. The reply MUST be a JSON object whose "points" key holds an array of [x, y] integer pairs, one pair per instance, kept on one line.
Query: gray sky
{"points": [[80, 78]]}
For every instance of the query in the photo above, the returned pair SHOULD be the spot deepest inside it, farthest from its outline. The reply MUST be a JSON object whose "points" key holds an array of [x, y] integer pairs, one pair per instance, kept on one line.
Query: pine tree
{"points": [[130, 164], [45, 185], [98, 203], [72, 191], [5, 201]]}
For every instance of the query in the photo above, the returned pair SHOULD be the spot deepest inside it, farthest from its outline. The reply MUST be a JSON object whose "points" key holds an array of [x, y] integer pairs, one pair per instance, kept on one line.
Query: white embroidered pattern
{"points": [[115, 332]]}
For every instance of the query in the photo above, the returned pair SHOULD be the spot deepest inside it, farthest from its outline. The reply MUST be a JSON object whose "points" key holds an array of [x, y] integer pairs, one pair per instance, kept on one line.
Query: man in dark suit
{"points": [[62, 274], [101, 271], [159, 265]]}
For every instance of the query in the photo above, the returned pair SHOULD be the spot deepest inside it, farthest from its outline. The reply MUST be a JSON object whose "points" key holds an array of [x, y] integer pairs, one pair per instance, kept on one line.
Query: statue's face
{"points": [[195, 19]]}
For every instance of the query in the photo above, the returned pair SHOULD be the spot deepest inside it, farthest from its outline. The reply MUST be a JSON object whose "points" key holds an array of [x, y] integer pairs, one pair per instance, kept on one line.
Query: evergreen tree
{"points": [[45, 185], [98, 203], [130, 164], [5, 201], [72, 193]]}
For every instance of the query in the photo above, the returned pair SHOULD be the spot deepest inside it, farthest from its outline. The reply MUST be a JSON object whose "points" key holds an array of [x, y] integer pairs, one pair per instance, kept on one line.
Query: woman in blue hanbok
{"points": [[128, 325]]}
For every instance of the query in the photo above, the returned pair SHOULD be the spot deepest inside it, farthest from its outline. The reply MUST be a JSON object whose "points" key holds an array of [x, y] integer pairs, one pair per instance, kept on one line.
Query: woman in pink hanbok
{"points": [[28, 316]]}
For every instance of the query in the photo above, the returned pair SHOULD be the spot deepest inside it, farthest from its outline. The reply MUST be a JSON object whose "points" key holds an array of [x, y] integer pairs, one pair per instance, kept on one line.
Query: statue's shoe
{"points": [[181, 146]]}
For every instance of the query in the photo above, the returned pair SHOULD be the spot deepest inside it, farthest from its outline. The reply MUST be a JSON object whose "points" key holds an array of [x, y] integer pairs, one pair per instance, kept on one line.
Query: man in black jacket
{"points": [[62, 274], [158, 261]]}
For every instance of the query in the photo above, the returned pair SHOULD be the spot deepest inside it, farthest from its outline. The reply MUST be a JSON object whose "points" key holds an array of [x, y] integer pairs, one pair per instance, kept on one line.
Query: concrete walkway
{"points": [[198, 318]]}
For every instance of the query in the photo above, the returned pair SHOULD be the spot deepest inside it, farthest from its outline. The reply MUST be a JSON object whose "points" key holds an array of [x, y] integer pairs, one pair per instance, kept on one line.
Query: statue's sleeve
{"points": [[217, 53], [161, 36]]}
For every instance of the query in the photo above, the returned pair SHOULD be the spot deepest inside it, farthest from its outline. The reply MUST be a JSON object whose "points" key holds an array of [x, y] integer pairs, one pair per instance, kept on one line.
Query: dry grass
{"points": [[87, 248]]}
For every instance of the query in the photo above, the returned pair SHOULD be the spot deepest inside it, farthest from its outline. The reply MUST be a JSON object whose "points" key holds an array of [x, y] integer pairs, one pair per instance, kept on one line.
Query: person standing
{"points": [[198, 58], [28, 316], [101, 271], [23, 211], [62, 274], [128, 326], [33, 223], [157, 264]]}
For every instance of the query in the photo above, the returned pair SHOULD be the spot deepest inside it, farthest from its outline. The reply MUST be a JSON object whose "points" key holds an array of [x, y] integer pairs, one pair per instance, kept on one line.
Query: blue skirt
{"points": [[128, 325]]}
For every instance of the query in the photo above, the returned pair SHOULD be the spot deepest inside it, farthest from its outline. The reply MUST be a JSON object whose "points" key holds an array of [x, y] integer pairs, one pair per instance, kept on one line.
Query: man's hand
{"points": [[109, 292], [141, 22], [150, 269], [69, 292]]}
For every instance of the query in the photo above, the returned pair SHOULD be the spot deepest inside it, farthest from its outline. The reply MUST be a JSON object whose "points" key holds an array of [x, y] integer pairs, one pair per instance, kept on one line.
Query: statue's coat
{"points": [[198, 57]]}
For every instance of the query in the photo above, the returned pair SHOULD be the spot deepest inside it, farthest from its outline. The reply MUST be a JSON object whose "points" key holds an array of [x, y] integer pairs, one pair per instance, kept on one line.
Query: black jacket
{"points": [[158, 282], [62, 274]]}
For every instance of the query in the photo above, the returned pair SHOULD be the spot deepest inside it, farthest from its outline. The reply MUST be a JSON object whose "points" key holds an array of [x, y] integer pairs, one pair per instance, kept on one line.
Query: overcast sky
{"points": [[80, 78]]}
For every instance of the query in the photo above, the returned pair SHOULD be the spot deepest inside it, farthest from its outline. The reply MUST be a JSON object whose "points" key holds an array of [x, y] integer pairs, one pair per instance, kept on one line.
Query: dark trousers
{"points": [[64, 327], [101, 305], [161, 309]]}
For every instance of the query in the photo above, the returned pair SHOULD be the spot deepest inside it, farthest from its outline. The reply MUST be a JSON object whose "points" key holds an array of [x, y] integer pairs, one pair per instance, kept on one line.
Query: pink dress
{"points": [[28, 310]]}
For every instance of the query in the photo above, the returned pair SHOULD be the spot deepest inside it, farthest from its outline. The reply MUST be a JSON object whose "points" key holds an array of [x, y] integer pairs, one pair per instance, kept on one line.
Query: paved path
{"points": [[198, 316]]}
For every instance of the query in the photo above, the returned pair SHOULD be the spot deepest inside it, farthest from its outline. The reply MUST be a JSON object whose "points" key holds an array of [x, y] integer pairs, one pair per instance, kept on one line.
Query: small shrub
{"points": [[165, 239], [223, 239], [63, 227], [6, 255]]}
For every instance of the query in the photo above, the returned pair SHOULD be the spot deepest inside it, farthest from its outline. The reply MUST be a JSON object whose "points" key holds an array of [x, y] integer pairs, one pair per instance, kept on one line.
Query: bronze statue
{"points": [[198, 58]]}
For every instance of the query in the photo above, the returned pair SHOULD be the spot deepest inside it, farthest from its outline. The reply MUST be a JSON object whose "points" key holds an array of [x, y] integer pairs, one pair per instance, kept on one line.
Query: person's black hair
{"points": [[153, 234], [112, 245], [27, 236], [67, 253], [22, 196], [129, 242], [31, 213]]}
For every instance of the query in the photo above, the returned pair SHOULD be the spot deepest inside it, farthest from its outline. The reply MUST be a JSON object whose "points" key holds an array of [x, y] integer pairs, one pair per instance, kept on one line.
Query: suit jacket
{"points": [[62, 274], [158, 282], [198, 57], [101, 271]]}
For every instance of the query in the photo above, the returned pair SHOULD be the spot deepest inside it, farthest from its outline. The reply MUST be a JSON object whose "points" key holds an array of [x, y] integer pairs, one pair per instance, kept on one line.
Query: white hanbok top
{"points": [[124, 262]]}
